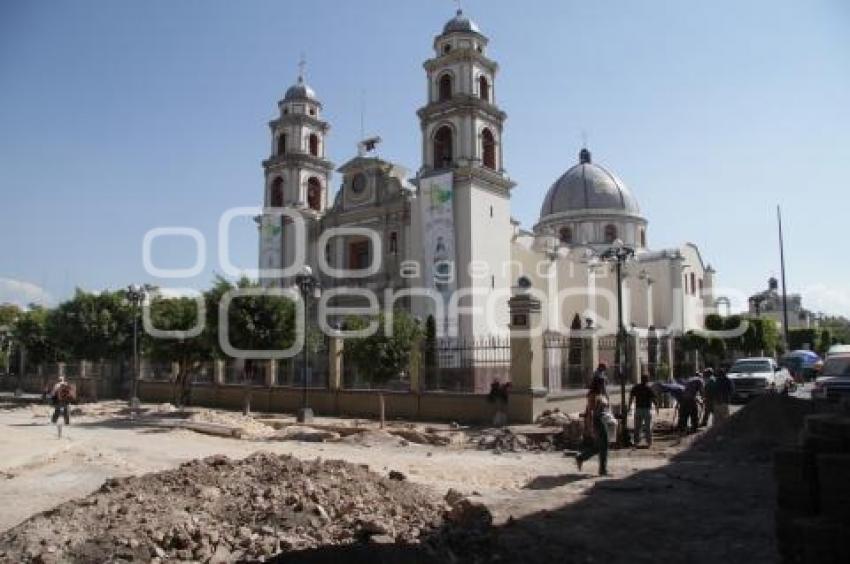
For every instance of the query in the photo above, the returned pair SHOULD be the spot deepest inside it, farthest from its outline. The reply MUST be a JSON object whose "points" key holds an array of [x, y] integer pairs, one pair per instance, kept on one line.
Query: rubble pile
{"points": [[813, 493], [246, 426], [220, 510], [505, 440], [554, 418]]}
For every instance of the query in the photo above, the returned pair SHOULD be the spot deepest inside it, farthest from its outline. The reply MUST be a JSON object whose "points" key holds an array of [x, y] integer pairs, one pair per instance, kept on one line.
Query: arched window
{"points": [[610, 233], [314, 193], [314, 144], [488, 149], [445, 88], [643, 238], [276, 193], [443, 147], [281, 144], [483, 88], [693, 284], [565, 235]]}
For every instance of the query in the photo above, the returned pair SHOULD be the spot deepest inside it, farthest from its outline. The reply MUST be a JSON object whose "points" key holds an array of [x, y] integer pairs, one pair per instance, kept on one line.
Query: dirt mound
{"points": [[765, 423], [248, 427], [220, 510]]}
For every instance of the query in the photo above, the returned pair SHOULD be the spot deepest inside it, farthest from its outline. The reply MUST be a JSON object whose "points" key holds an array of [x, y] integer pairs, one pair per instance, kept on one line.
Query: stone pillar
{"points": [[218, 372], [84, 365], [271, 369], [589, 352], [634, 345], [60, 369], [335, 347], [526, 358]]}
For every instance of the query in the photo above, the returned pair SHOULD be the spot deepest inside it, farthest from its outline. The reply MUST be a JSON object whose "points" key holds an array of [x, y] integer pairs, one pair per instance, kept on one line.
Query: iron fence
{"points": [[465, 365], [563, 366]]}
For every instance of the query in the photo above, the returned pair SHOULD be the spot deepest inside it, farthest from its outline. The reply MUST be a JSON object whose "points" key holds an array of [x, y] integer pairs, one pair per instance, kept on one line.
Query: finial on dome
{"points": [[302, 62], [584, 156]]}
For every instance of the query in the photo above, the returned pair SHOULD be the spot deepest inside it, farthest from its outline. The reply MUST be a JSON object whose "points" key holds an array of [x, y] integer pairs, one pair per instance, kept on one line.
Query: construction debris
{"points": [[221, 510]]}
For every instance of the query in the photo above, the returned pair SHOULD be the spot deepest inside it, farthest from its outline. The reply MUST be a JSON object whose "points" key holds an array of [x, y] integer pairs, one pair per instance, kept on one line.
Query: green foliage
{"points": [[761, 336], [8, 314], [383, 356], [30, 330], [430, 343], [92, 326], [802, 339], [255, 322], [825, 342]]}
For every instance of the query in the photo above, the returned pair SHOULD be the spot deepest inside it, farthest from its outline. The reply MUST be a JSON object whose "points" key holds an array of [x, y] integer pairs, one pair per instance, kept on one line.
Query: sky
{"points": [[120, 117]]}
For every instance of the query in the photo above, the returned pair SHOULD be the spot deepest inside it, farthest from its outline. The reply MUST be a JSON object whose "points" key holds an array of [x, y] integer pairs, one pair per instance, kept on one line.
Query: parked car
{"points": [[760, 375], [802, 364], [834, 382], [838, 349]]}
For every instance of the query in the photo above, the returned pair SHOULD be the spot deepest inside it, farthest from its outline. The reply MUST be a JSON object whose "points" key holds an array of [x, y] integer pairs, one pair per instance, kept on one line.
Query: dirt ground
{"points": [[701, 502]]}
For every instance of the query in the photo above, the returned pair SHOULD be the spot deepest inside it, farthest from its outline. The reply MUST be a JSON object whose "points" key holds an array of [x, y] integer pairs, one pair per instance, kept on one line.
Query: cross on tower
{"points": [[302, 62]]}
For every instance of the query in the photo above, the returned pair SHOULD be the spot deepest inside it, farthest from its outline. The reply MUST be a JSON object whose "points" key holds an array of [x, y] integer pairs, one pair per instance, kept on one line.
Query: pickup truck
{"points": [[760, 375], [834, 382]]}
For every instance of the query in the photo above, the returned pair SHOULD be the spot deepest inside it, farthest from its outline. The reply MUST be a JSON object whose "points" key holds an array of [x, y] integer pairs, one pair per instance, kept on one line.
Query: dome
{"points": [[587, 187], [460, 23], [300, 91]]}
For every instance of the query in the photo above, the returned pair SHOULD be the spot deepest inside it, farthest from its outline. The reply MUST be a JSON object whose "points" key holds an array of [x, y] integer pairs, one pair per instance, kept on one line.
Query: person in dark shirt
{"points": [[689, 405], [723, 391], [598, 384], [644, 398], [710, 385]]}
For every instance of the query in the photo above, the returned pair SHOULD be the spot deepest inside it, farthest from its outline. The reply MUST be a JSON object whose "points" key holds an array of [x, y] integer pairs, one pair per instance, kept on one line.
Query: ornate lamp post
{"points": [[618, 253], [136, 296], [310, 288]]}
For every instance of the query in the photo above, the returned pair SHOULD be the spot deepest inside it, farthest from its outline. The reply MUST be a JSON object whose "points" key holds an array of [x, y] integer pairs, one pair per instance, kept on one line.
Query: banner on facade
{"points": [[271, 245], [438, 237]]}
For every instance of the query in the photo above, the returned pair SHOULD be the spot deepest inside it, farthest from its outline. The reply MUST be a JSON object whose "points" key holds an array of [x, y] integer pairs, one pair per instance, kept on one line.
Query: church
{"points": [[442, 242]]}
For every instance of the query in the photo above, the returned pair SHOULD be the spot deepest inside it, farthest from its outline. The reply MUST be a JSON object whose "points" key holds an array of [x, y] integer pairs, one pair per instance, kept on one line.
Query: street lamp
{"points": [[618, 253], [310, 287], [136, 297]]}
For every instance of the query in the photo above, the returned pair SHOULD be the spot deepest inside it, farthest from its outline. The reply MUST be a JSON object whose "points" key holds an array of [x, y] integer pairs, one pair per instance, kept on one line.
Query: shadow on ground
{"points": [[714, 502]]}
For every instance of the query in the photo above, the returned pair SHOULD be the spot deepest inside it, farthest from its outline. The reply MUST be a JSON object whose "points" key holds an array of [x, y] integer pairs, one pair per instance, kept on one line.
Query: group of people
{"points": [[711, 392], [700, 397]]}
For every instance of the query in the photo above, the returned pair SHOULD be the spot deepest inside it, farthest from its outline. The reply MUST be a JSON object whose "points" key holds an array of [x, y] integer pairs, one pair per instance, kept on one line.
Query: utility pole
{"points": [[784, 291]]}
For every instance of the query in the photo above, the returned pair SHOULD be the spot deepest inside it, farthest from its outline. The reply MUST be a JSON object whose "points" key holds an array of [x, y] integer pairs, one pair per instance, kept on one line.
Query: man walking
{"points": [[596, 430], [62, 396], [600, 380], [724, 389], [644, 398]]}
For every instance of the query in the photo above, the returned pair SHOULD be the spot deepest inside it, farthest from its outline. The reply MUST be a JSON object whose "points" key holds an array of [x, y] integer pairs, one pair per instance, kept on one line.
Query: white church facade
{"points": [[442, 241]]}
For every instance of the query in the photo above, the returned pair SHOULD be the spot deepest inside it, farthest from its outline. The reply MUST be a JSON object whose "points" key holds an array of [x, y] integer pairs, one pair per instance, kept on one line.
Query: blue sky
{"points": [[117, 117]]}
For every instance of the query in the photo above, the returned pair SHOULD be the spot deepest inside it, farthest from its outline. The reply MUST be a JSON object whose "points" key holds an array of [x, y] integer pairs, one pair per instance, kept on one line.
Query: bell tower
{"points": [[297, 175], [462, 127]]}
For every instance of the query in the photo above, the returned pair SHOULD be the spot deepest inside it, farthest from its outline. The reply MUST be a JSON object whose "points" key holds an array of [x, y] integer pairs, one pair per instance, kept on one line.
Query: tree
{"points": [[30, 332], [761, 337], [9, 313], [383, 356], [825, 342], [92, 326], [178, 314], [258, 322], [802, 339]]}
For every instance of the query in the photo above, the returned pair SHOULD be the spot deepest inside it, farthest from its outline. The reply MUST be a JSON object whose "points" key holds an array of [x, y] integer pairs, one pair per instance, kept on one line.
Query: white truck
{"points": [[759, 375]]}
